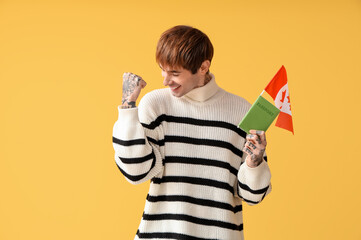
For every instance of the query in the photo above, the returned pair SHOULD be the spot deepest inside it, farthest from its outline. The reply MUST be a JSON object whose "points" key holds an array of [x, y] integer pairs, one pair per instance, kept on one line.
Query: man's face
{"points": [[180, 80]]}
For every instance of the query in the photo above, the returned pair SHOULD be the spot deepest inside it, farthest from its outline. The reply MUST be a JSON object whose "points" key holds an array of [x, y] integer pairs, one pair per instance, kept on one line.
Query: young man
{"points": [[185, 139]]}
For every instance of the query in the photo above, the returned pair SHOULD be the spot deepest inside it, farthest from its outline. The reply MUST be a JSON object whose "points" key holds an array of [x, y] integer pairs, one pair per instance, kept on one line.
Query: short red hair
{"points": [[184, 46]]}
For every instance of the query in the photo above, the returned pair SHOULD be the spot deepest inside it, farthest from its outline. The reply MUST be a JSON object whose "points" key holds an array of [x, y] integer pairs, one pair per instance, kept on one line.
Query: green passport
{"points": [[260, 116]]}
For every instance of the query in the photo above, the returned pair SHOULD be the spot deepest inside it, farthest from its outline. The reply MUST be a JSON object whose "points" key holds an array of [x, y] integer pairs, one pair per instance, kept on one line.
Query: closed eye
{"points": [[174, 72]]}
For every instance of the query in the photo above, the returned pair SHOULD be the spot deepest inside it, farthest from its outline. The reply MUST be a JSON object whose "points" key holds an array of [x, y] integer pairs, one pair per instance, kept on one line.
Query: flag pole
{"points": [[262, 93]]}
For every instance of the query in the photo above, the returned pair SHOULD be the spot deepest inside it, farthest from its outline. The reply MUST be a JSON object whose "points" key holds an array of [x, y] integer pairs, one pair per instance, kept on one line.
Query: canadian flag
{"points": [[278, 90]]}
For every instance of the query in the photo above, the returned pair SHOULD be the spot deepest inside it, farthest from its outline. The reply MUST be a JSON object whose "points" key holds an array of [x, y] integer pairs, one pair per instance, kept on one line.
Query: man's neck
{"points": [[207, 79]]}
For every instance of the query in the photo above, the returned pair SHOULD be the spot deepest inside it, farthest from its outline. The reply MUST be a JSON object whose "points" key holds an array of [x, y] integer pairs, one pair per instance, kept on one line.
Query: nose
{"points": [[166, 78]]}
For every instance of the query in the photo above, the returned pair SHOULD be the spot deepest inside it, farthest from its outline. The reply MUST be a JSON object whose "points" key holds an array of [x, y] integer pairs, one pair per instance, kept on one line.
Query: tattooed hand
{"points": [[255, 147], [132, 85]]}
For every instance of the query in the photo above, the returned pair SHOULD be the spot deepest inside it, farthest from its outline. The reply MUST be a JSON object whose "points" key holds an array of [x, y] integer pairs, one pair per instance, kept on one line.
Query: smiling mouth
{"points": [[174, 88]]}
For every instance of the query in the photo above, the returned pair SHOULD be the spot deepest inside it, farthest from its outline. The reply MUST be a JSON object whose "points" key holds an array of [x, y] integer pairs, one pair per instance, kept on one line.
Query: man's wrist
{"points": [[131, 103], [253, 163], [127, 105]]}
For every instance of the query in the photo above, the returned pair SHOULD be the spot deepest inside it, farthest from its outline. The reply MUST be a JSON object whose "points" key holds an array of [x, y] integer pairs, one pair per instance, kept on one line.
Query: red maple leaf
{"points": [[288, 97], [283, 98]]}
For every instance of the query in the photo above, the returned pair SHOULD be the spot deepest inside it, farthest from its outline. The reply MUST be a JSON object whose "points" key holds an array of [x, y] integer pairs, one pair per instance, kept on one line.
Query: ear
{"points": [[205, 67]]}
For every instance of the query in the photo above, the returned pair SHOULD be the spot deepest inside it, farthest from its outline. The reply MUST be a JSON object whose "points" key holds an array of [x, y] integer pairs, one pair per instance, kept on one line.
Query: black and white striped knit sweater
{"points": [[190, 149]]}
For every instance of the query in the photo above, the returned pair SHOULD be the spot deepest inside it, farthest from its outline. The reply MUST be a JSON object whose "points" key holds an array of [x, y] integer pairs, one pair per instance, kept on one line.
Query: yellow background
{"points": [[61, 64]]}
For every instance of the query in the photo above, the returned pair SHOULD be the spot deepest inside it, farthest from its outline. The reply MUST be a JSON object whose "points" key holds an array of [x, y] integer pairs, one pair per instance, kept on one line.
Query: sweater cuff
{"points": [[257, 177], [127, 115]]}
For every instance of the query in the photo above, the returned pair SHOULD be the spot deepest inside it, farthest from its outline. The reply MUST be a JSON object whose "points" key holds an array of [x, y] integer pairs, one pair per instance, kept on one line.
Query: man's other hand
{"points": [[255, 147]]}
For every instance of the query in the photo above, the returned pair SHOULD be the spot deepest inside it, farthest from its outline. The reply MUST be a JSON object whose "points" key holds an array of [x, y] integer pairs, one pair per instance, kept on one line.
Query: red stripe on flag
{"points": [[284, 120], [277, 82]]}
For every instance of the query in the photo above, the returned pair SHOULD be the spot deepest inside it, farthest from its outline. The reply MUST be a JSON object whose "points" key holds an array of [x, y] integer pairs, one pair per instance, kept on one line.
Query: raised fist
{"points": [[132, 85]]}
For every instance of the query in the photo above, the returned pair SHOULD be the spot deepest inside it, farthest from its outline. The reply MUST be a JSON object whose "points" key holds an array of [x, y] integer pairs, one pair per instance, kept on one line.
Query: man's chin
{"points": [[176, 94]]}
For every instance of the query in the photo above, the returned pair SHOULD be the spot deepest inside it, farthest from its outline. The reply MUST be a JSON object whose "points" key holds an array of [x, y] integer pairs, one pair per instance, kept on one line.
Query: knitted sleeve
{"points": [[254, 183], [137, 154]]}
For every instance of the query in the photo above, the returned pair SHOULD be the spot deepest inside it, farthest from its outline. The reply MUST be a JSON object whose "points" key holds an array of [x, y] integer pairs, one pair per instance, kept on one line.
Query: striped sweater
{"points": [[190, 150]]}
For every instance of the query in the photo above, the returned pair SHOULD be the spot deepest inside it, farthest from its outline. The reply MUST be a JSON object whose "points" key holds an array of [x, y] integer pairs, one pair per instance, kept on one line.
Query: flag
{"points": [[278, 90]]}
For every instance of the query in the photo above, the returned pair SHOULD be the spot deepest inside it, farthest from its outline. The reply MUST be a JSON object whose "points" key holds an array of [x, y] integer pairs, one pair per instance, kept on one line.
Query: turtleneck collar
{"points": [[202, 94]]}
